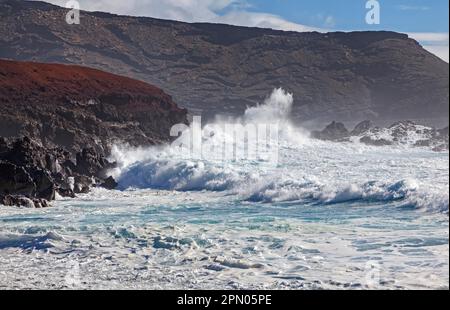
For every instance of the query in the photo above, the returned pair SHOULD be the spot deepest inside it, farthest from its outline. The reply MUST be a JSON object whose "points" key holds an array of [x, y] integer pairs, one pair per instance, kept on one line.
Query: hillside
{"points": [[76, 107], [221, 69]]}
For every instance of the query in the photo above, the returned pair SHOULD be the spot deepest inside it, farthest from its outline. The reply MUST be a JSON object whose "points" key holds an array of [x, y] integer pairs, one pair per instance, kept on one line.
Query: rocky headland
{"points": [[221, 69], [58, 123]]}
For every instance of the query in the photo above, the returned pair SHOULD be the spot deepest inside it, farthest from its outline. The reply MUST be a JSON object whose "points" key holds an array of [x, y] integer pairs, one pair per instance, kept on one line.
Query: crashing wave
{"points": [[405, 193], [308, 171]]}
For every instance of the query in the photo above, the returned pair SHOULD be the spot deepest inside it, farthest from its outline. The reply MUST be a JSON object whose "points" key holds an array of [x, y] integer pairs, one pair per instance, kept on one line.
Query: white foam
{"points": [[314, 221], [308, 171]]}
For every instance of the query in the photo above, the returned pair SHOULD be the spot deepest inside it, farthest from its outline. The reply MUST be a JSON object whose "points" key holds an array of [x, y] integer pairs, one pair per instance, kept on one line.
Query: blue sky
{"points": [[424, 20], [398, 15]]}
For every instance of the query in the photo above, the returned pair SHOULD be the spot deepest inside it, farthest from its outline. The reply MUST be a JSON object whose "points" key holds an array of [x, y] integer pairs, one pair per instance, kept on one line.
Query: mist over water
{"points": [[307, 171], [319, 216]]}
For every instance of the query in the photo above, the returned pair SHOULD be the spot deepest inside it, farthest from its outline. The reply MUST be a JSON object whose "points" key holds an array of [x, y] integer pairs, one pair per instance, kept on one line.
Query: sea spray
{"points": [[307, 171]]}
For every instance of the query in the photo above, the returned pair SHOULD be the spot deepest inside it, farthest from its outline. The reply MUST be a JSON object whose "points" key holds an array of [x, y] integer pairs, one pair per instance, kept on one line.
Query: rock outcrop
{"points": [[75, 107], [31, 175], [405, 133], [335, 132], [58, 122], [220, 69]]}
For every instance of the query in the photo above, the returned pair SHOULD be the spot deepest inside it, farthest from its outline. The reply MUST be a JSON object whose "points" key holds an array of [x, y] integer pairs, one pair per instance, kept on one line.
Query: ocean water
{"points": [[323, 216]]}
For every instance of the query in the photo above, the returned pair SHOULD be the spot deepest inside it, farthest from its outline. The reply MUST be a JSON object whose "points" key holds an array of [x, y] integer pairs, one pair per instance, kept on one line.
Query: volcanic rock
{"points": [[109, 183], [406, 133], [31, 174], [334, 131], [361, 128], [221, 69], [75, 108]]}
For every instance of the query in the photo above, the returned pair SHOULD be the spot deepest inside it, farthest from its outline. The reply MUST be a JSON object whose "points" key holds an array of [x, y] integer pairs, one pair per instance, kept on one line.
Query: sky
{"points": [[425, 20]]}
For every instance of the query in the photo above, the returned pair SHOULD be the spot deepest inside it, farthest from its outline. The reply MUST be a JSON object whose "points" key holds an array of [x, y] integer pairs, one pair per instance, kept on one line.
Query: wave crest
{"points": [[310, 172]]}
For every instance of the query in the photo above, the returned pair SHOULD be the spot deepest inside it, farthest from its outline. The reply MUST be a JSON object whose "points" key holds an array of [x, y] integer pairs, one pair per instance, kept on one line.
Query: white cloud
{"points": [[429, 36], [436, 43], [182, 10], [192, 11], [262, 20], [234, 12], [413, 8]]}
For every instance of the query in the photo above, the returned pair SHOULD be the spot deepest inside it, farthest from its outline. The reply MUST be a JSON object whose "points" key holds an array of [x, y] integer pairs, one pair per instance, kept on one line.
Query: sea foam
{"points": [[308, 171]]}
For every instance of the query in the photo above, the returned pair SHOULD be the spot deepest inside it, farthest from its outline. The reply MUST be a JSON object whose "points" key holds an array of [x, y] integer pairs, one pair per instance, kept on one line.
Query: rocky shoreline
{"points": [[32, 175], [405, 133], [57, 124]]}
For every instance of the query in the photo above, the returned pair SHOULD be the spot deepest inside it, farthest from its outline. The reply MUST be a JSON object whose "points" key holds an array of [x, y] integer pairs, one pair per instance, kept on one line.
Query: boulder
{"points": [[91, 163], [30, 172], [45, 185], [15, 180], [362, 128], [24, 202], [109, 183], [333, 132]]}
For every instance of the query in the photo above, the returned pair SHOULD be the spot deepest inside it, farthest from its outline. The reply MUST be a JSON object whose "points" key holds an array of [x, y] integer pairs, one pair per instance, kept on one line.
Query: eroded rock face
{"points": [[77, 108], [91, 163], [15, 179], [23, 201], [31, 175], [57, 124]]}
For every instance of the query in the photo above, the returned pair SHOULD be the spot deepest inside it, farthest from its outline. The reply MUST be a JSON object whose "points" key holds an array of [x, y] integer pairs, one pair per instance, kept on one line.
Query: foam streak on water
{"points": [[321, 218]]}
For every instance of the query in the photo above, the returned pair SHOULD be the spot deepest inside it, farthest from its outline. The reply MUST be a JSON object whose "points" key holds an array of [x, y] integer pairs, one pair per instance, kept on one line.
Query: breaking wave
{"points": [[307, 171]]}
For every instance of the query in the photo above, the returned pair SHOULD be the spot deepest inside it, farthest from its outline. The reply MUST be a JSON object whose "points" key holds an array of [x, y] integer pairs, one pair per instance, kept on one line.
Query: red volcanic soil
{"points": [[72, 106], [36, 80]]}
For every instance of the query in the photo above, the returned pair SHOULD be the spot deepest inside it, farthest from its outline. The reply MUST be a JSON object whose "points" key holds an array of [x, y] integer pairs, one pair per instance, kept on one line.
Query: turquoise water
{"points": [[323, 216], [281, 233]]}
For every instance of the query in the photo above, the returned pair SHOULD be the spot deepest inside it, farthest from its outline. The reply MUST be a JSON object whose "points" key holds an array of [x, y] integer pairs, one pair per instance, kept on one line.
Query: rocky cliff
{"points": [[57, 123], [222, 69], [75, 107]]}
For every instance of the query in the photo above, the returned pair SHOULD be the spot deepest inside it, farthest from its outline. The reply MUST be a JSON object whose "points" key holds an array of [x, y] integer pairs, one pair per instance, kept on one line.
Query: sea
{"points": [[306, 214]]}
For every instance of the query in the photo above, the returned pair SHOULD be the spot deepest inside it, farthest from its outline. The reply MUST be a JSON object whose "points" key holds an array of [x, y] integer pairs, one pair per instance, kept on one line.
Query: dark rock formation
{"points": [[14, 179], [223, 69], [70, 116], [400, 133], [31, 175], [109, 183], [75, 108], [361, 128], [23, 201], [334, 132], [89, 162], [375, 141]]}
